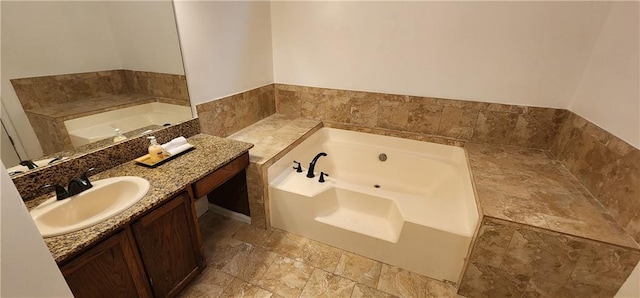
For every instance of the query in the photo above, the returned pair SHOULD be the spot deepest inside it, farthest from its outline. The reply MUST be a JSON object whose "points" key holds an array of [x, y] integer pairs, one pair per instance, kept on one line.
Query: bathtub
{"points": [[416, 210], [92, 128]]}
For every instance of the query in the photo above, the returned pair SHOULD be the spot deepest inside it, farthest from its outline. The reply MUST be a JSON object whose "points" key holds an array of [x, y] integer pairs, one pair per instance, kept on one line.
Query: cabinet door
{"points": [[168, 243], [111, 269]]}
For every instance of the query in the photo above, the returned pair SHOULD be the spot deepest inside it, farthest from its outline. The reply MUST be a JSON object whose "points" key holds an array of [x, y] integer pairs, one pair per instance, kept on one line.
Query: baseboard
{"points": [[228, 213]]}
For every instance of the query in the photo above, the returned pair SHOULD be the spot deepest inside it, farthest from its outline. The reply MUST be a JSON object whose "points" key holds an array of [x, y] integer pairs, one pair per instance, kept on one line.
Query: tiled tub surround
{"points": [[30, 183], [456, 120], [230, 114], [542, 232], [49, 101], [607, 166], [514, 260], [272, 137], [166, 180]]}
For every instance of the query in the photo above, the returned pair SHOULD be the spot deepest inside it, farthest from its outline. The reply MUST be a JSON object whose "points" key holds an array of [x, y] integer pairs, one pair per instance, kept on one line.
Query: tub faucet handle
{"points": [[298, 167], [322, 174]]}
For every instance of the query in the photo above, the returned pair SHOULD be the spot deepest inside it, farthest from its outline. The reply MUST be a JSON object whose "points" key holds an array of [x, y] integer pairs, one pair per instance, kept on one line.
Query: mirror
{"points": [[75, 71]]}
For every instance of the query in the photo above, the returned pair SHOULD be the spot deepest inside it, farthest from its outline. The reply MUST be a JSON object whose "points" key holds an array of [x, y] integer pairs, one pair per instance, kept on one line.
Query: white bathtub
{"points": [[92, 128], [421, 218]]}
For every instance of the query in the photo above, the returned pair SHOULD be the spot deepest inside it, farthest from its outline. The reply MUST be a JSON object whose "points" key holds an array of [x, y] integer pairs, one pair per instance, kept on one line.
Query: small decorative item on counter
{"points": [[119, 136], [176, 146], [170, 150], [156, 152]]}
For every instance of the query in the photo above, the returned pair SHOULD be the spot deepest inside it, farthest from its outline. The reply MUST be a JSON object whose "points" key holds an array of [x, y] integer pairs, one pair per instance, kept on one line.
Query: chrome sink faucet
{"points": [[312, 165]]}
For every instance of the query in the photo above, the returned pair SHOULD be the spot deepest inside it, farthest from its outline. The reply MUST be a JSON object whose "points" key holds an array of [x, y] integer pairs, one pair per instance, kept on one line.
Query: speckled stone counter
{"points": [[542, 233], [166, 180]]}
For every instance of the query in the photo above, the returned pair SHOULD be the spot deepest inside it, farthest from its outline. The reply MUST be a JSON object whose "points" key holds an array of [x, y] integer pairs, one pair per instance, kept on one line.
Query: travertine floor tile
{"points": [[241, 289], [325, 284], [219, 251], [251, 264], [362, 291], [359, 268], [236, 268], [403, 283], [211, 283], [252, 235], [221, 227], [320, 255], [286, 277], [285, 243]]}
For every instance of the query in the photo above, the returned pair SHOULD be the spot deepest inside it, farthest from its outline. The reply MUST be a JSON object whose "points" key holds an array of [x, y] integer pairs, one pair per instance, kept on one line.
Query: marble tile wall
{"points": [[457, 120], [606, 165], [40, 92], [515, 260], [30, 184], [230, 114], [169, 88]]}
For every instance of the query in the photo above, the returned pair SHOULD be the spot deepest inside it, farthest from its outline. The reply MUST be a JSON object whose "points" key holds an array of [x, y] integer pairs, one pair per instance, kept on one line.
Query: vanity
{"points": [[154, 248]]}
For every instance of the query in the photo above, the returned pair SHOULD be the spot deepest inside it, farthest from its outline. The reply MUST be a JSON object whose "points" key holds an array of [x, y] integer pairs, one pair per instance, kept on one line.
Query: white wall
{"points": [[145, 35], [530, 53], [226, 47], [609, 92], [28, 270]]}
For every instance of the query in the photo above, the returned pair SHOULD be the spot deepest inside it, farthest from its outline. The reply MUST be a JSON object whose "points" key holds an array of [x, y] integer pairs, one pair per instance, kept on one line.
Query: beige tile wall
{"points": [[230, 114], [514, 260], [529, 127], [40, 92], [607, 166]]}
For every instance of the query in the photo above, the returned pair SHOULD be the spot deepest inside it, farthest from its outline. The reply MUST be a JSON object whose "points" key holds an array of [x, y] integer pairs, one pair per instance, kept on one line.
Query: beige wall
{"points": [[226, 47], [529, 53], [609, 92]]}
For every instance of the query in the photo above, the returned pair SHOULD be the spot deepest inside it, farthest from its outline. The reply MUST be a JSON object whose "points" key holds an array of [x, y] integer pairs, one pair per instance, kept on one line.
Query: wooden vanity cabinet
{"points": [[111, 269], [156, 255], [168, 243]]}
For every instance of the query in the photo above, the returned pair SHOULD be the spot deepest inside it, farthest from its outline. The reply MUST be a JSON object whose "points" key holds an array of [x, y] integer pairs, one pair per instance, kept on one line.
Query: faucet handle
{"points": [[298, 168], [61, 193], [85, 178], [322, 174]]}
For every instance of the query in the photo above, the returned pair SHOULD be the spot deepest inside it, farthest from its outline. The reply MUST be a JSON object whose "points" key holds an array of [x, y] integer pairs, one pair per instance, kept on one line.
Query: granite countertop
{"points": [[531, 187], [166, 180]]}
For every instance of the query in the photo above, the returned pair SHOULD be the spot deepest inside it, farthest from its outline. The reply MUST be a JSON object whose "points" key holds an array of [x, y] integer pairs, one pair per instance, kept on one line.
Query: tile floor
{"points": [[243, 261]]}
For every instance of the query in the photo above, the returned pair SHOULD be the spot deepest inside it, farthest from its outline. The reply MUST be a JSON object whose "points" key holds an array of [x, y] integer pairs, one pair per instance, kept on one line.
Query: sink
{"points": [[107, 198]]}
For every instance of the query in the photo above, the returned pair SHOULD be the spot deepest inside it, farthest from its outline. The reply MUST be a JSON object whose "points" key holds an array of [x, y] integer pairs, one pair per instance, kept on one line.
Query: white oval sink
{"points": [[107, 198]]}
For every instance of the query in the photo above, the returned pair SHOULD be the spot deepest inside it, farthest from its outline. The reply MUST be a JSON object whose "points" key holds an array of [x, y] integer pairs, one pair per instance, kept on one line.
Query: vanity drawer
{"points": [[219, 176]]}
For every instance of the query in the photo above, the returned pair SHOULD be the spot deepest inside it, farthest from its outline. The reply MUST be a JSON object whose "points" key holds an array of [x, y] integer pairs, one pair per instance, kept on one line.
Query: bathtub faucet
{"points": [[312, 165]]}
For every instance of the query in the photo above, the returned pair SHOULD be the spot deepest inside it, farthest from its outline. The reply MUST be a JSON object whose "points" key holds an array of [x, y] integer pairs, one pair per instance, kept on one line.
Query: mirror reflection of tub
{"points": [[93, 128]]}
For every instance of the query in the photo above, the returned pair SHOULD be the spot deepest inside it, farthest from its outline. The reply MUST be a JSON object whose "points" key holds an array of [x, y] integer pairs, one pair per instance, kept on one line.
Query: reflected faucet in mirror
{"points": [[71, 97]]}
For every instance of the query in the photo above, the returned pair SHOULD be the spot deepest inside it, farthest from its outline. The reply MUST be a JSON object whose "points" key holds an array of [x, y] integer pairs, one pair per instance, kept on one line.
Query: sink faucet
{"points": [[78, 185], [29, 164], [312, 165]]}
